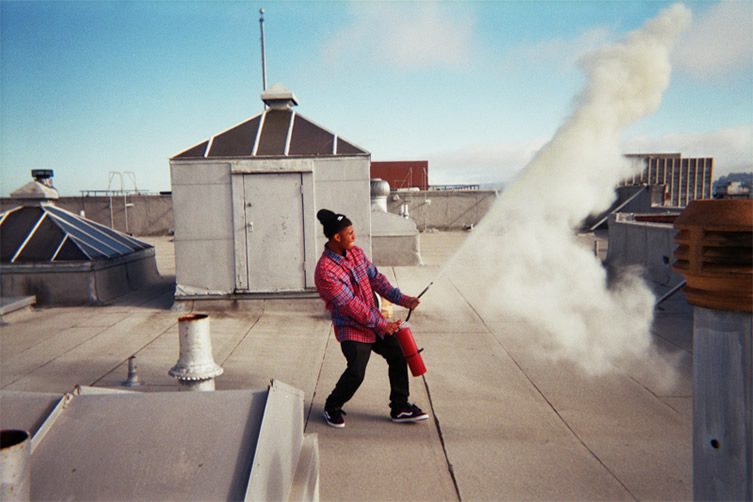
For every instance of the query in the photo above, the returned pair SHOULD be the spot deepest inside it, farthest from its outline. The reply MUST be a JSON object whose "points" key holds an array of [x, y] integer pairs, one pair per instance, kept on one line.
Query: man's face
{"points": [[347, 237]]}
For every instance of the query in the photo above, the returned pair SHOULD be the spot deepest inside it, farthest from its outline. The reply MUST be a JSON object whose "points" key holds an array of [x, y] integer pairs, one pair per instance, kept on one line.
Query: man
{"points": [[346, 281]]}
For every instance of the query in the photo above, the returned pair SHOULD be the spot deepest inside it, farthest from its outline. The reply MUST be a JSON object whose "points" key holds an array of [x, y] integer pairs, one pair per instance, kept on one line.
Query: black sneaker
{"points": [[408, 413], [334, 418]]}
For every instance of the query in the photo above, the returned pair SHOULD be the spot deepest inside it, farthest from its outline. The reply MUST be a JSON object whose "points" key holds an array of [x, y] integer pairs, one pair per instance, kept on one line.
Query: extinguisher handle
{"points": [[409, 313]]}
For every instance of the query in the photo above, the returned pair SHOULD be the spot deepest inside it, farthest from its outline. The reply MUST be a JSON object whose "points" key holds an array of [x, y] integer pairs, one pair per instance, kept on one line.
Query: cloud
{"points": [[719, 42], [732, 149], [407, 36], [481, 163], [558, 53]]}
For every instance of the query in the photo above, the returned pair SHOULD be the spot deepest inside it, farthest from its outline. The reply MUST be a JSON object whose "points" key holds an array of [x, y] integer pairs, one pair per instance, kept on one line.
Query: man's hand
{"points": [[392, 327], [413, 302]]}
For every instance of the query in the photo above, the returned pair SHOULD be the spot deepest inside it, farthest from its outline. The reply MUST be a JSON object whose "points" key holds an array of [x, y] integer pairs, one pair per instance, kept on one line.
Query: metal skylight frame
{"points": [[28, 237]]}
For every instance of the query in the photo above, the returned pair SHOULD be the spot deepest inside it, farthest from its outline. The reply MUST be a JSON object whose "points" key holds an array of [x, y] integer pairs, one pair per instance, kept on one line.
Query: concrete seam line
{"points": [[450, 467], [657, 397], [70, 349], [248, 332], [318, 377], [541, 393]]}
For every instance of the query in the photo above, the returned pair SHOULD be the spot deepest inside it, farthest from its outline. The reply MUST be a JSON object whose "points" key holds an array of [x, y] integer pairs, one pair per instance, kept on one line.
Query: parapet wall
{"points": [[153, 214], [450, 210], [146, 214], [646, 244]]}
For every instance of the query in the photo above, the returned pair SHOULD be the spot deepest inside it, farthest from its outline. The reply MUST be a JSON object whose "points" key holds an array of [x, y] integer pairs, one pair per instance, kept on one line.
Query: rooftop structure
{"points": [[63, 258], [684, 179], [278, 131], [245, 203]]}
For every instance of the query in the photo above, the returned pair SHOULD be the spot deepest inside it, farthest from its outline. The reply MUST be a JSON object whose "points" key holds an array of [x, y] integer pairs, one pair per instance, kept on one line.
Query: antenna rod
{"points": [[263, 54]]}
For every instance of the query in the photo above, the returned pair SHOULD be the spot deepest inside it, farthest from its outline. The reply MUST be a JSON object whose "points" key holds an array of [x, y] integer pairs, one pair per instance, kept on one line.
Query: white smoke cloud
{"points": [[719, 43], [524, 254], [413, 36]]}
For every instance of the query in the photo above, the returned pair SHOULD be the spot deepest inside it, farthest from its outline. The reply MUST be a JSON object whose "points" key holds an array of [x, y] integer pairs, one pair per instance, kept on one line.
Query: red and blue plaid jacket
{"points": [[346, 284]]}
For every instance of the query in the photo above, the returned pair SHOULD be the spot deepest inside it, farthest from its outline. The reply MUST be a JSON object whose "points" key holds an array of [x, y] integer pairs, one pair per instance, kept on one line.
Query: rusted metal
{"points": [[715, 253]]}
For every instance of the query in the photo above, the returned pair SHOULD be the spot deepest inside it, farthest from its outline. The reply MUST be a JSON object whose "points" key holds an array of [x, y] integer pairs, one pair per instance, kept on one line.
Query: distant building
{"points": [[733, 190], [683, 180], [403, 174], [734, 186]]}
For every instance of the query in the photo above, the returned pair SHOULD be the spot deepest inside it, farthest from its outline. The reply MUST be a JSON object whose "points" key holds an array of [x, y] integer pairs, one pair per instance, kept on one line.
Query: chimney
{"points": [[278, 97]]}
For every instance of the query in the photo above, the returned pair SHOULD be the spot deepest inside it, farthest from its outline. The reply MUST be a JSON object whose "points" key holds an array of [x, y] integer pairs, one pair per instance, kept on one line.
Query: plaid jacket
{"points": [[346, 284]]}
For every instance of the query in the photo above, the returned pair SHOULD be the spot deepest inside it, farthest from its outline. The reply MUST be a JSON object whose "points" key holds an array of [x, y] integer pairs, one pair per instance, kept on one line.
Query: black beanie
{"points": [[332, 222]]}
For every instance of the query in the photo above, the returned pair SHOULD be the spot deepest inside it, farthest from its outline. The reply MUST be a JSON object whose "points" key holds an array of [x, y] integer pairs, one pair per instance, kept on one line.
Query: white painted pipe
{"points": [[195, 368], [15, 465]]}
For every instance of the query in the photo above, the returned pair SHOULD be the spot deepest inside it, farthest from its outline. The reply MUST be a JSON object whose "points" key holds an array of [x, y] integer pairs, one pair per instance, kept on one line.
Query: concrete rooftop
{"points": [[505, 425]]}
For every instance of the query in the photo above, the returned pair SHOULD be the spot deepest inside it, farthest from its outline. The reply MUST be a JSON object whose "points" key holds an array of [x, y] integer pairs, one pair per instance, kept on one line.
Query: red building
{"points": [[403, 173]]}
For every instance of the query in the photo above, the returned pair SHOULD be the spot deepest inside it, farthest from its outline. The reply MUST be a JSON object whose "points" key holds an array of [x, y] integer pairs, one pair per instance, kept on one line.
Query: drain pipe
{"points": [[195, 369], [714, 254], [15, 465]]}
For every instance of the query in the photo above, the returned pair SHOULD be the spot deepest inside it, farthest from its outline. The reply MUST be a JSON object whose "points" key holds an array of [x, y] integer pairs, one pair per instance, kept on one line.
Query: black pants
{"points": [[357, 354]]}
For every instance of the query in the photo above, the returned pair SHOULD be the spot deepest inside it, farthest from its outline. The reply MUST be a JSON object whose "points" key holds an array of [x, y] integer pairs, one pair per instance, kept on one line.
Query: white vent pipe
{"points": [[195, 368], [15, 465]]}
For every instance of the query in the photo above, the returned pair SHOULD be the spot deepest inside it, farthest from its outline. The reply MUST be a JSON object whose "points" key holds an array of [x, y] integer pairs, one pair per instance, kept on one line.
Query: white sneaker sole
{"points": [[410, 419], [332, 424]]}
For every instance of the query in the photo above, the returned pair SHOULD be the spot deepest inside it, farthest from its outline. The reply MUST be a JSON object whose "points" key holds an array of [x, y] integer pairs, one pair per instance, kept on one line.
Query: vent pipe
{"points": [[15, 465], [38, 190], [715, 255], [380, 189], [279, 97], [195, 368]]}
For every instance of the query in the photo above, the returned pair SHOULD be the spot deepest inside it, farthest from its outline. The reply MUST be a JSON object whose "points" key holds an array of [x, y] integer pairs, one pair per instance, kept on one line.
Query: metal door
{"points": [[274, 232]]}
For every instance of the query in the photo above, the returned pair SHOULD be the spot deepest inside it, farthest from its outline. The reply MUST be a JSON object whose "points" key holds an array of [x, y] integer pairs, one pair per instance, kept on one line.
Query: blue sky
{"points": [[473, 87]]}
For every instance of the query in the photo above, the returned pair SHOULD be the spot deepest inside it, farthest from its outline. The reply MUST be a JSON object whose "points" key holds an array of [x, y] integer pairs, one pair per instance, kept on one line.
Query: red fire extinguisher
{"points": [[407, 343], [411, 352]]}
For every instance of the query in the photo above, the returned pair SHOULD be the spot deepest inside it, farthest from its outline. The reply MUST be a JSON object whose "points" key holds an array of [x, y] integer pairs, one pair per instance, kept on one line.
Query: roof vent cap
{"points": [[279, 97], [40, 189]]}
